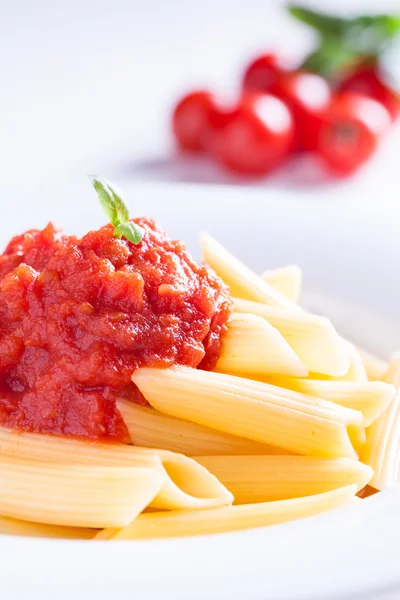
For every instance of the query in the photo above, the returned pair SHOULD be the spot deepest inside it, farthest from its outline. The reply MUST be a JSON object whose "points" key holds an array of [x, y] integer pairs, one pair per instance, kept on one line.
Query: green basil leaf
{"points": [[111, 199], [132, 232], [113, 203], [105, 197]]}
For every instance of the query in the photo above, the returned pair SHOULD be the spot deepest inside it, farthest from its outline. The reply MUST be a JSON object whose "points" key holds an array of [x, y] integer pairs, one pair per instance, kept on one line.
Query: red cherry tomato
{"points": [[256, 136], [190, 119], [308, 95], [218, 117], [366, 80], [352, 132], [263, 73]]}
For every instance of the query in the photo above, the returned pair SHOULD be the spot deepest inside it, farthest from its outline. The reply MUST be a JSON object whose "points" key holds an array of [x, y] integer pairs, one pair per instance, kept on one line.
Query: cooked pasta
{"points": [[252, 346], [371, 398], [185, 484], [356, 372], [151, 428], [145, 396], [242, 281], [313, 338], [374, 366], [383, 437], [286, 281], [29, 529], [232, 518], [75, 495], [254, 479], [255, 410]]}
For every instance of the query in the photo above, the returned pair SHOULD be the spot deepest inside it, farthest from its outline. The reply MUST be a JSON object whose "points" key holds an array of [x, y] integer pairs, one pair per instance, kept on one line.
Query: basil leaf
{"points": [[113, 203], [111, 199], [132, 232], [105, 197]]}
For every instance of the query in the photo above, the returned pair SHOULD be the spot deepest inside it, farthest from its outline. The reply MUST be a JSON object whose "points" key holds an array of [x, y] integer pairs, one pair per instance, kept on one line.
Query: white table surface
{"points": [[87, 86]]}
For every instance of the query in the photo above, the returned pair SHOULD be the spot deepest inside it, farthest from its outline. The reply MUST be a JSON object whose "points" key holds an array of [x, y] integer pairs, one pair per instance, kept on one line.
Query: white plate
{"points": [[349, 553]]}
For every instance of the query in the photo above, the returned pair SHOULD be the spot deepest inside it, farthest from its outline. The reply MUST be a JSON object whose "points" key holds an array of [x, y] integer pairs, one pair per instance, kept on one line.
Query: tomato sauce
{"points": [[78, 316]]}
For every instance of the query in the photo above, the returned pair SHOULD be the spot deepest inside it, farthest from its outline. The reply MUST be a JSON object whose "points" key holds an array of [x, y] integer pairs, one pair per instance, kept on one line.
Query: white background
{"points": [[87, 86]]}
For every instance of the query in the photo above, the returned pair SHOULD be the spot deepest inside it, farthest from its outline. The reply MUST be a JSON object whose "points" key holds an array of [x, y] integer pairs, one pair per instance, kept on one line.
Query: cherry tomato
{"points": [[308, 95], [366, 80], [256, 136], [263, 73], [218, 118], [190, 119], [354, 127]]}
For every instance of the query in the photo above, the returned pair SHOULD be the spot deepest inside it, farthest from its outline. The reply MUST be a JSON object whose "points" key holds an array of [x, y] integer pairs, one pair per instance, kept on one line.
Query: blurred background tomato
{"points": [[210, 92]]}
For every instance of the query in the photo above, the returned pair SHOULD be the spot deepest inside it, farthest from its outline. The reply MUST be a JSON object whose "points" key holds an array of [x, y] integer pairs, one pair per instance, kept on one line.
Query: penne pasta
{"points": [[383, 437], [254, 479], [287, 281], [254, 410], [252, 346], [370, 398], [188, 486], [75, 495], [153, 429], [289, 421], [356, 372], [29, 529], [185, 484], [242, 281], [313, 338], [109, 533], [232, 518], [374, 366]]}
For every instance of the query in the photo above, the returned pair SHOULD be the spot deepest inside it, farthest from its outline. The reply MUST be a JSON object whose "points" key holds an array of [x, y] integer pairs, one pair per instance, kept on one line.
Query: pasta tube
{"points": [[252, 346], [313, 338], [254, 410], [153, 429], [356, 372], [370, 398], [232, 518], [242, 281], [185, 483], [254, 479], [29, 529], [75, 495], [383, 437], [374, 366], [287, 281]]}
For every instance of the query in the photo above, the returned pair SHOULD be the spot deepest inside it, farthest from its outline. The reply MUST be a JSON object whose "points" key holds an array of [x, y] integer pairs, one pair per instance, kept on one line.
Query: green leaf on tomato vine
{"points": [[329, 59], [348, 41], [322, 22]]}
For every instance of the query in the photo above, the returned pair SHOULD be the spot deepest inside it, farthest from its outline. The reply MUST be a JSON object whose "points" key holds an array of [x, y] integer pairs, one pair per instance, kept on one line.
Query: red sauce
{"points": [[78, 316]]}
